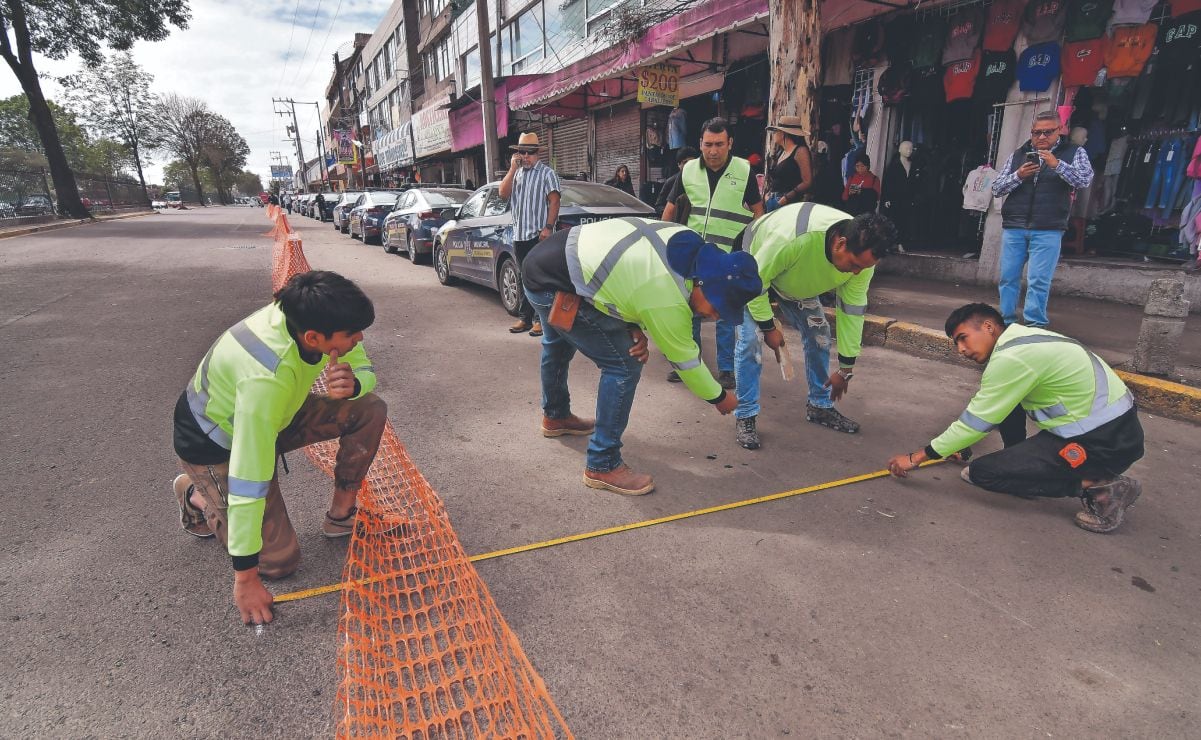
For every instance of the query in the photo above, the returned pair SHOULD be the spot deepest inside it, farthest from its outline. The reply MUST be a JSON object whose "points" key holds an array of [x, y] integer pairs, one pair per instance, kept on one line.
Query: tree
{"points": [[114, 98], [184, 123], [56, 28], [248, 183], [795, 56], [17, 131], [224, 153]]}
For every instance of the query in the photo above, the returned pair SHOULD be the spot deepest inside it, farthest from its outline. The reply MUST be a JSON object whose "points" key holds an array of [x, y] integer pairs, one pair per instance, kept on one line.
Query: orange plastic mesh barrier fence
{"points": [[424, 652]]}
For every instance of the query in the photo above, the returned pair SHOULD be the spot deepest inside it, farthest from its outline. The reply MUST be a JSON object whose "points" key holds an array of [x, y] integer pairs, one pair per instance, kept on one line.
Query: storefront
{"points": [[394, 153], [435, 162]]}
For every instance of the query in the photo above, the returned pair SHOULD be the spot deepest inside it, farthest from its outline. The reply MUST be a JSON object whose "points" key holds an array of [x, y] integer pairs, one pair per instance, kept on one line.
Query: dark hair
{"points": [[325, 302], [862, 157], [686, 152], [977, 311], [796, 139], [617, 172], [867, 231], [716, 125]]}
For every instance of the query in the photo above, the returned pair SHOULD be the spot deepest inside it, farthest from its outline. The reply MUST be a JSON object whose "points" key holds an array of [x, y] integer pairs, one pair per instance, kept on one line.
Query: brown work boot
{"points": [[1105, 505], [521, 326], [620, 480], [567, 425]]}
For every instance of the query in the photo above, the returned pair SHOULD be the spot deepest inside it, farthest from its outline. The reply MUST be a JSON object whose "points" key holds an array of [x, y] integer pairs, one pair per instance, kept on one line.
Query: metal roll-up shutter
{"points": [[569, 146], [618, 142]]}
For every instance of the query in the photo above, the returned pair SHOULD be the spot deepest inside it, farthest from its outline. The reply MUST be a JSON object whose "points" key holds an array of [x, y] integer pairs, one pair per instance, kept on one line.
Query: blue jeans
{"points": [[809, 319], [1041, 249], [725, 342], [606, 341]]}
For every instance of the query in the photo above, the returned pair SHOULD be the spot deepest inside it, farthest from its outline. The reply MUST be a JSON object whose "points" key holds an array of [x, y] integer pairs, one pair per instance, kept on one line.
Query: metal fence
{"points": [[28, 196]]}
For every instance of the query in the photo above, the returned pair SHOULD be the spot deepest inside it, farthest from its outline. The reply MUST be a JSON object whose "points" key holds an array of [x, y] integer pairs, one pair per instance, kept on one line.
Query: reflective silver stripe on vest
{"points": [[687, 365], [1102, 412], [198, 401], [248, 488], [588, 289], [256, 347], [851, 309], [742, 218], [804, 213], [975, 422]]}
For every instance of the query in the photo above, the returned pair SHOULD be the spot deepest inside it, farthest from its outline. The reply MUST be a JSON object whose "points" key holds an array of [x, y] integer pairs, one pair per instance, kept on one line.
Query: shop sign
{"points": [[659, 84], [279, 172], [344, 147], [431, 128]]}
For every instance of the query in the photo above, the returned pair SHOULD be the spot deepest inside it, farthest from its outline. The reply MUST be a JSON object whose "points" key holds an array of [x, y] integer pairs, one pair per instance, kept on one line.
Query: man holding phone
{"points": [[1040, 180]]}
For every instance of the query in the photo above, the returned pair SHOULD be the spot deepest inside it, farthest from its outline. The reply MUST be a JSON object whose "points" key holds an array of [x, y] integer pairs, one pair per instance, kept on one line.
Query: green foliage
{"points": [[20, 147], [113, 98], [56, 28]]}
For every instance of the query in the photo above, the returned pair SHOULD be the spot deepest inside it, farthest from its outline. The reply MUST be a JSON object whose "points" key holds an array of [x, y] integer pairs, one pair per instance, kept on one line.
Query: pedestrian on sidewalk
{"points": [[804, 250], [1040, 180], [250, 401], [621, 180], [724, 198], [1089, 428], [684, 155], [288, 202], [319, 206], [790, 176], [533, 190], [628, 278], [862, 191]]}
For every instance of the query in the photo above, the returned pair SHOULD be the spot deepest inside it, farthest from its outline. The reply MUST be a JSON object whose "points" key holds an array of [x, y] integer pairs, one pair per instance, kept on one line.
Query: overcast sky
{"points": [[237, 56]]}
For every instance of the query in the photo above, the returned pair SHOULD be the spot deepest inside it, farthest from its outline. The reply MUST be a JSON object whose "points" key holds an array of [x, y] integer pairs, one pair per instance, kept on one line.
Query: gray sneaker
{"points": [[1105, 506], [746, 434], [830, 418]]}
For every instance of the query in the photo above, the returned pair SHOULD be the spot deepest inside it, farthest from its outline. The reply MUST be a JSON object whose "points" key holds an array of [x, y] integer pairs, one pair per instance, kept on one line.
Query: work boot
{"points": [[620, 480], [1105, 505], [536, 329], [830, 418], [572, 424], [746, 434], [726, 380], [521, 326], [673, 377]]}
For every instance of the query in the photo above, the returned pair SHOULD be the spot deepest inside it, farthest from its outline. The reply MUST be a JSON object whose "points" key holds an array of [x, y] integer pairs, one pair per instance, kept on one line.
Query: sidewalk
{"points": [[66, 223], [1109, 329]]}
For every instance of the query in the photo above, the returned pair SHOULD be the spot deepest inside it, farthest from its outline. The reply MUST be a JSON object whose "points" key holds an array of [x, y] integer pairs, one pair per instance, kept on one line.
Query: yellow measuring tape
{"points": [[334, 588]]}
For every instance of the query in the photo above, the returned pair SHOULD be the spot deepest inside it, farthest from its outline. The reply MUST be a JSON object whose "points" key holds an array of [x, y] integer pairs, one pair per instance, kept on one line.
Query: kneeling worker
{"points": [[804, 250], [634, 275], [250, 401], [1090, 432]]}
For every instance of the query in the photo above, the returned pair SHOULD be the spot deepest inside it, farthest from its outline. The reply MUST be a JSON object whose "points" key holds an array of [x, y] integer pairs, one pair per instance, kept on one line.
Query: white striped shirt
{"points": [[530, 206]]}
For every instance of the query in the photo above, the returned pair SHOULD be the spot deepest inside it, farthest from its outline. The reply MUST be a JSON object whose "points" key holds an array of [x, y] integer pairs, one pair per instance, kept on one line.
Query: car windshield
{"points": [[442, 198], [598, 196], [348, 197], [383, 199]]}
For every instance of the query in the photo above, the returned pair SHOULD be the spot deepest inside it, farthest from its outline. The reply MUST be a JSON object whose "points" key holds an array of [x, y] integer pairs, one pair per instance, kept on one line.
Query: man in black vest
{"points": [[1040, 180]]}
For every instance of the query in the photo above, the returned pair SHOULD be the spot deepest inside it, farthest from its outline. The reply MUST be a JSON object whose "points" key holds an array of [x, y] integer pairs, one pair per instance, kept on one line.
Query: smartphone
{"points": [[1033, 158]]}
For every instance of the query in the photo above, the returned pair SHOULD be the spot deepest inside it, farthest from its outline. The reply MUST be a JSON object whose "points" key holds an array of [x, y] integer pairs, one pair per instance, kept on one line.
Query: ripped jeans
{"points": [[809, 319]]}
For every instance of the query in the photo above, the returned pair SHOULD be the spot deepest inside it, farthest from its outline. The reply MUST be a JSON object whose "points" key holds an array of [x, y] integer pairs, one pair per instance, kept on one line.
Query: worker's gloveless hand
{"points": [[773, 338], [900, 466], [838, 386], [727, 404], [252, 597], [641, 350], [339, 378]]}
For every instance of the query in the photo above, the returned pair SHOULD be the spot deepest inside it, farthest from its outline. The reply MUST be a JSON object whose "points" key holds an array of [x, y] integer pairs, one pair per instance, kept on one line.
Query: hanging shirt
{"points": [[1180, 7], [1128, 51], [836, 57], [963, 35], [997, 71], [1082, 61], [1179, 38], [977, 189], [1044, 21], [868, 48], [1001, 27], [1038, 67], [927, 49], [959, 79], [677, 129], [1087, 19], [1131, 12]]}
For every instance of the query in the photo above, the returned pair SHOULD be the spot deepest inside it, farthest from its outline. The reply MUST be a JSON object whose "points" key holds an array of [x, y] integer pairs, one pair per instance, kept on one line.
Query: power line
{"points": [[284, 70], [307, 41]]}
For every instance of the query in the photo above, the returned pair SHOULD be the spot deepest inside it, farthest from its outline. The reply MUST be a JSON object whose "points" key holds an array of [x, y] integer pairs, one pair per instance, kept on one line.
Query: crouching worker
{"points": [[250, 401], [1089, 428], [621, 278]]}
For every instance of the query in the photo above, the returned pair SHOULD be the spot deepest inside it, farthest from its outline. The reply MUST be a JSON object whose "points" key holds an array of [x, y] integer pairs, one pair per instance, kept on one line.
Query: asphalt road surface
{"points": [[923, 608]]}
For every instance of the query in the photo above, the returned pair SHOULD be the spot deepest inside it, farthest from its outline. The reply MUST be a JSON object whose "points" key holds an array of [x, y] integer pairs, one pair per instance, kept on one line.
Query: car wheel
{"points": [[386, 240], [441, 266], [411, 250], [509, 283]]}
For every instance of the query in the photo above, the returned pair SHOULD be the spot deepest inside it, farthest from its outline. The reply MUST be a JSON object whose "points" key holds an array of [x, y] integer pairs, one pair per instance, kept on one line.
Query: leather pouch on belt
{"points": [[563, 310]]}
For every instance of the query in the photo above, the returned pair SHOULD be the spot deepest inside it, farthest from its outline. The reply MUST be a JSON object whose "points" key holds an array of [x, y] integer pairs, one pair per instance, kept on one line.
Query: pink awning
{"points": [[676, 33], [467, 123]]}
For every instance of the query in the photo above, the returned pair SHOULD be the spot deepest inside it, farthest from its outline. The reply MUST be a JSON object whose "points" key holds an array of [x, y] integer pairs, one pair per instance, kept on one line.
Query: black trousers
{"points": [[1033, 466], [522, 248]]}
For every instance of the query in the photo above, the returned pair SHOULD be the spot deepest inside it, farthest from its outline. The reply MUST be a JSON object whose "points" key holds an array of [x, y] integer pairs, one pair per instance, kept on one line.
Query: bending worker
{"points": [[724, 197], [634, 275], [804, 250], [1090, 432], [250, 401]]}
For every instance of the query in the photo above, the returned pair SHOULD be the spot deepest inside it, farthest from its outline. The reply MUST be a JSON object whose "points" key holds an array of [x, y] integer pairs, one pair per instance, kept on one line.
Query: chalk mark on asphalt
{"points": [[998, 607], [47, 304]]}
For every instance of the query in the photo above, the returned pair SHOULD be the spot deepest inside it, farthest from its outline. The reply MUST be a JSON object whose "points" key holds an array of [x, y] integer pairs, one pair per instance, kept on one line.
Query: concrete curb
{"points": [[69, 224], [1154, 395]]}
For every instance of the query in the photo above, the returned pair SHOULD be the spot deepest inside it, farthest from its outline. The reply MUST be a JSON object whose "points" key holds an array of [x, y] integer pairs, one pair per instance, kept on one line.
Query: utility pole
{"points": [[487, 93], [795, 47], [294, 129]]}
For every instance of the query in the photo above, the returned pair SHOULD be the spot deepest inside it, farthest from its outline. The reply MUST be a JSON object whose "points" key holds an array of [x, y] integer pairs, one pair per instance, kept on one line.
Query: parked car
{"points": [[324, 213], [299, 203], [38, 204], [341, 209], [367, 216], [416, 217], [7, 210], [477, 245]]}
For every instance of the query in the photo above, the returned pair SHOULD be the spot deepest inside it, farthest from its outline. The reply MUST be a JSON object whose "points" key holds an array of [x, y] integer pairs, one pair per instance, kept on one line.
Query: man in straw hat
{"points": [[634, 275], [533, 190]]}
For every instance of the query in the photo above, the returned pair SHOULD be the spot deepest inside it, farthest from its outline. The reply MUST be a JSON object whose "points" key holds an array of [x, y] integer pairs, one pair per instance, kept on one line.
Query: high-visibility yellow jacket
{"points": [[720, 215]]}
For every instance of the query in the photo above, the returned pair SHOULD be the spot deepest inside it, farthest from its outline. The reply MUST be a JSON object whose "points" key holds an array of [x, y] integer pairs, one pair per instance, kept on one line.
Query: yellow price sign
{"points": [[659, 84]]}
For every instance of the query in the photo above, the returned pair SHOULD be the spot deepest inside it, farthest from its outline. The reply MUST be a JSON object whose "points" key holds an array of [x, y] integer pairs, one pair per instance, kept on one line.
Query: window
{"points": [[474, 205], [526, 37], [388, 54], [471, 68], [444, 67], [496, 205], [432, 7], [586, 17]]}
